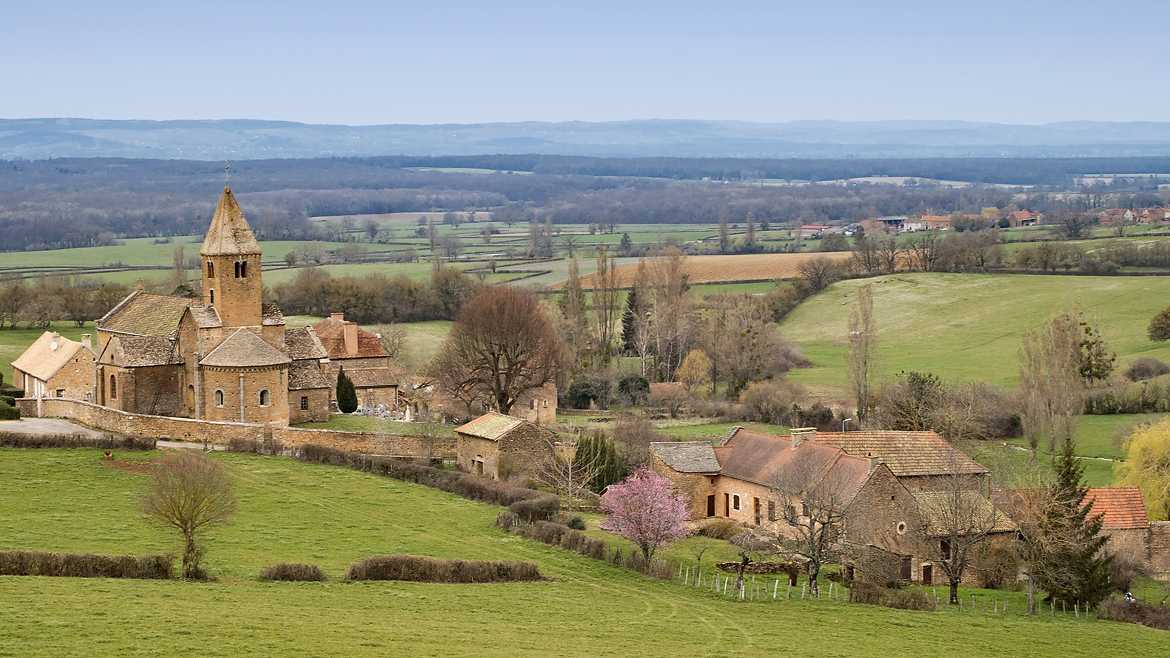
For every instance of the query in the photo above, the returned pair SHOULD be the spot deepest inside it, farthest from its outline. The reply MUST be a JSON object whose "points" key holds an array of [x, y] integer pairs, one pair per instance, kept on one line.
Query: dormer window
{"points": [[210, 269]]}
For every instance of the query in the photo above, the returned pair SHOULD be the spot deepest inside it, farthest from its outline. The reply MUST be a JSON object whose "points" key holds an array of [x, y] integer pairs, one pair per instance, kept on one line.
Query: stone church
{"points": [[228, 357]]}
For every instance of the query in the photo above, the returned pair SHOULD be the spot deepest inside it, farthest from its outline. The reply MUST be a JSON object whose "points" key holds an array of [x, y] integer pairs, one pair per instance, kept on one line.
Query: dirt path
{"points": [[46, 426]]}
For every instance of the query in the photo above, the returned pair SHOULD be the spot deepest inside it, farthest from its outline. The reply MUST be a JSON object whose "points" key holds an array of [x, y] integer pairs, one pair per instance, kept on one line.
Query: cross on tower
{"points": [[227, 172]]}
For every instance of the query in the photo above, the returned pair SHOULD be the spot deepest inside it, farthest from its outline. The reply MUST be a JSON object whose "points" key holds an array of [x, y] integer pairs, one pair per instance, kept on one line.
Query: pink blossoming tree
{"points": [[644, 509]]}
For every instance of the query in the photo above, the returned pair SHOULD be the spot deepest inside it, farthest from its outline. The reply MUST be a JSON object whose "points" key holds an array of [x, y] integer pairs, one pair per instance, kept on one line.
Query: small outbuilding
{"points": [[498, 446], [56, 367]]}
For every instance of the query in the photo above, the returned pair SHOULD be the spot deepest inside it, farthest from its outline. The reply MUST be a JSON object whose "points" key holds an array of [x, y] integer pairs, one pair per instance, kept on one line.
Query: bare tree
{"points": [[957, 518], [888, 253], [568, 476], [818, 273], [190, 491], [862, 346], [670, 306], [501, 346], [1050, 381], [392, 338], [605, 303]]}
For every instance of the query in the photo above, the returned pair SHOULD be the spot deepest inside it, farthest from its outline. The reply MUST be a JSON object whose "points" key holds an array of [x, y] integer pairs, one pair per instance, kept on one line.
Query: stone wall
{"points": [[221, 433], [317, 401], [74, 379], [1160, 549]]}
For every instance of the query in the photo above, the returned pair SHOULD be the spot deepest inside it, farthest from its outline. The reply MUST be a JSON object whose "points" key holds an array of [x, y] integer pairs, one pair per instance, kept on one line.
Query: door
{"points": [[927, 574], [711, 505], [726, 504], [907, 568], [756, 509]]}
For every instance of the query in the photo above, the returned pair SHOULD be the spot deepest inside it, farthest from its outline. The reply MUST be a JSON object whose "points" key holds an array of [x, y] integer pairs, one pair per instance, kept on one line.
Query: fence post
{"points": [[830, 590], [775, 586], [802, 589]]}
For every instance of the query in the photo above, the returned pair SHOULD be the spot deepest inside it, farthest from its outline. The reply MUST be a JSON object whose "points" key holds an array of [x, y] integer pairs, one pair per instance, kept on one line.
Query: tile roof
{"points": [[331, 332], [271, 315], [970, 511], [492, 426], [205, 317], [229, 233], [371, 377], [140, 352], [47, 355], [145, 314], [1122, 507], [305, 375], [687, 456], [302, 343], [905, 453], [773, 461], [244, 349]]}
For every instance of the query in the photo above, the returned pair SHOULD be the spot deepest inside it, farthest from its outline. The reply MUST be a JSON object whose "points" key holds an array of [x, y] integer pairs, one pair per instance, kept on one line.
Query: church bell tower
{"points": [[231, 266]]}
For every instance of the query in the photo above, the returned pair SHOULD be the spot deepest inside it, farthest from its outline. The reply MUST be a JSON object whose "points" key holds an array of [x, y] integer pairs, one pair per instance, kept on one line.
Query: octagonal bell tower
{"points": [[231, 266]]}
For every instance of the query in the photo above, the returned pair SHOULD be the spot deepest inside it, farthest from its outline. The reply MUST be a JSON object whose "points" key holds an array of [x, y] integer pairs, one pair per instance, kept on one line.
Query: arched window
{"points": [[243, 269], [113, 387], [210, 269], [264, 397], [218, 398], [211, 294]]}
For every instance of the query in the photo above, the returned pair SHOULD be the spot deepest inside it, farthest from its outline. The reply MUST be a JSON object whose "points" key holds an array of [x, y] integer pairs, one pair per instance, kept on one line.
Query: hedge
{"points": [[562, 536], [105, 442], [288, 571], [461, 484], [9, 413], [432, 570], [83, 565], [1136, 612]]}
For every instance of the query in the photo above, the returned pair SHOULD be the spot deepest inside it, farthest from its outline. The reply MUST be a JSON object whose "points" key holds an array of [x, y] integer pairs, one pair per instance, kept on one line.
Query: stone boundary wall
{"points": [[222, 432]]}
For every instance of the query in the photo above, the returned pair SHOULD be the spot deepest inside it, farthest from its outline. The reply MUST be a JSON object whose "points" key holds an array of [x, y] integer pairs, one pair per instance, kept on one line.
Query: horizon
{"points": [[359, 63]]}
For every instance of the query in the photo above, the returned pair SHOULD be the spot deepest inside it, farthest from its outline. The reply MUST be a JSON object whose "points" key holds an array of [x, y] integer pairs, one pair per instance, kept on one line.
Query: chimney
{"points": [[800, 434], [349, 332], [340, 317], [86, 342], [55, 341], [874, 462]]}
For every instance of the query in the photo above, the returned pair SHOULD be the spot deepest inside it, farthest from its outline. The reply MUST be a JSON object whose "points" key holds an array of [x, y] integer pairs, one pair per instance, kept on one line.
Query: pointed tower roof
{"points": [[229, 233]]}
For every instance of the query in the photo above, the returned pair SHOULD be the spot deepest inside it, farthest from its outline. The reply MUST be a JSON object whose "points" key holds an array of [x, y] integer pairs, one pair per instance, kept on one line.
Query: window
{"points": [[264, 397], [210, 269], [218, 398], [304, 403], [735, 501], [944, 548], [60, 392], [533, 403], [211, 294], [901, 527], [771, 510], [113, 388], [241, 269]]}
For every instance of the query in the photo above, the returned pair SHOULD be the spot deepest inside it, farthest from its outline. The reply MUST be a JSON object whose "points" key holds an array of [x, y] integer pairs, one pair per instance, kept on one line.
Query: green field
{"points": [[969, 327], [70, 501]]}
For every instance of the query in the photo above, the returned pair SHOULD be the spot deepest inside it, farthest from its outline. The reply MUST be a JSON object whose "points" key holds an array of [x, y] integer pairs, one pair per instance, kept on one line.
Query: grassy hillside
{"points": [[967, 327], [68, 500]]}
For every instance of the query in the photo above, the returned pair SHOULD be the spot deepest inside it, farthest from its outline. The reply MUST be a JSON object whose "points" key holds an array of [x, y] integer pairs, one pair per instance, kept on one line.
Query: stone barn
{"points": [[498, 446], [56, 367]]}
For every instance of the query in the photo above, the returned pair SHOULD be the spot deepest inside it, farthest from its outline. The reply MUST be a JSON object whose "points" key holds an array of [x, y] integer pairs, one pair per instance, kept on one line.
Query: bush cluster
{"points": [[1146, 368], [106, 442], [1136, 612], [1145, 397], [872, 594], [83, 565], [556, 534], [290, 571], [460, 484], [9, 412], [719, 529], [432, 570]]}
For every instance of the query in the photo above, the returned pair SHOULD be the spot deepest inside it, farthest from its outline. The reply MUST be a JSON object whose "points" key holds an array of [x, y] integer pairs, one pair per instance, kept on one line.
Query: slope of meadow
{"points": [[71, 501]]}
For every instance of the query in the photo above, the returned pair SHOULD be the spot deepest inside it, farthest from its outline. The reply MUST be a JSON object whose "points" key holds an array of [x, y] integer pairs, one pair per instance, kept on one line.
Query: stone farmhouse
{"points": [[225, 357], [498, 446], [54, 366], [363, 357], [885, 485]]}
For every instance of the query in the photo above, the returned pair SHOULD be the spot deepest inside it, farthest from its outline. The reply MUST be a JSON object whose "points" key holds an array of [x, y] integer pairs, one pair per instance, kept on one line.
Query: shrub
{"points": [[771, 401], [576, 523], [83, 565], [996, 566], [908, 599], [583, 393], [865, 592], [633, 390], [508, 521], [719, 529], [1124, 569], [288, 571], [8, 400], [536, 509], [9, 412], [266, 447], [107, 442], [1146, 368], [1136, 612], [432, 570]]}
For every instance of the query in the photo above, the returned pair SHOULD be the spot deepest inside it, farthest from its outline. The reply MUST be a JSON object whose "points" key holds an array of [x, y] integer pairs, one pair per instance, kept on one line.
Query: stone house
{"points": [[498, 446], [54, 366], [762, 480], [922, 461], [226, 356], [365, 361]]}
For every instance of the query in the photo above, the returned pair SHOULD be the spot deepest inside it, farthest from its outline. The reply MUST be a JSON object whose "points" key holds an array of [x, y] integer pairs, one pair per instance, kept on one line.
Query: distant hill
{"points": [[254, 139]]}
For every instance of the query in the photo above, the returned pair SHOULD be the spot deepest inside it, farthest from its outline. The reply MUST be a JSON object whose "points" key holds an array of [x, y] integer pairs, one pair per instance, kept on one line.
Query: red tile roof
{"points": [[772, 461], [331, 333], [1122, 507]]}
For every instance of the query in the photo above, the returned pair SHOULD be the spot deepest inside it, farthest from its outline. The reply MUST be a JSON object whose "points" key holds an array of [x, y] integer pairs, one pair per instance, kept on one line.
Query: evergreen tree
{"points": [[724, 233], [347, 401], [1074, 565], [609, 467], [1096, 359], [630, 322], [626, 245]]}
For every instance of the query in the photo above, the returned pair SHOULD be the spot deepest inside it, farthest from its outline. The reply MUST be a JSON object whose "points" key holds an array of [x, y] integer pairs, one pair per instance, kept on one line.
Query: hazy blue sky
{"points": [[435, 61]]}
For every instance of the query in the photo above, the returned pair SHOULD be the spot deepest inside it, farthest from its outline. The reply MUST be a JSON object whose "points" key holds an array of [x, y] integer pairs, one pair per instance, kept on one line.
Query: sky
{"points": [[351, 62]]}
